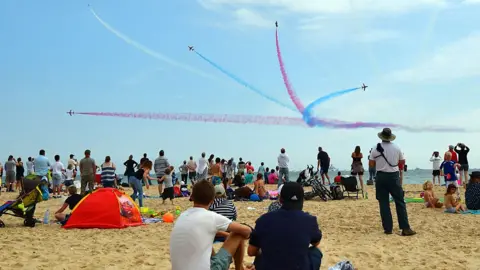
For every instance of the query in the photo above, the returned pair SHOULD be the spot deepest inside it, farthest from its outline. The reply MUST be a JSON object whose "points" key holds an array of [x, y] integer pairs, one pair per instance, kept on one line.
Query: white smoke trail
{"points": [[147, 50]]}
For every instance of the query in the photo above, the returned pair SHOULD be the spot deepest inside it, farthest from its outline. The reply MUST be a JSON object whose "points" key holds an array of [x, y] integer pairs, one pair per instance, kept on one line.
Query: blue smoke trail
{"points": [[244, 83], [307, 113]]}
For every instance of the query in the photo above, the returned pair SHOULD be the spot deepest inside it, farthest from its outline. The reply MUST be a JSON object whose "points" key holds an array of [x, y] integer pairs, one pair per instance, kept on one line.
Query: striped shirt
{"points": [[224, 207], [108, 173], [161, 163]]}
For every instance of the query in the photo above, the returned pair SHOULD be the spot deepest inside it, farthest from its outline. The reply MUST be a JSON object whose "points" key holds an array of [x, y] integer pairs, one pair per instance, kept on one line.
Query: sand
{"points": [[351, 229]]}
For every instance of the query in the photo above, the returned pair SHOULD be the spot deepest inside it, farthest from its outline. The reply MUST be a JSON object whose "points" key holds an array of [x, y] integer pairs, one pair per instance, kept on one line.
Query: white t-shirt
{"points": [[393, 154], [202, 165], [191, 240], [69, 174], [57, 168], [436, 162]]}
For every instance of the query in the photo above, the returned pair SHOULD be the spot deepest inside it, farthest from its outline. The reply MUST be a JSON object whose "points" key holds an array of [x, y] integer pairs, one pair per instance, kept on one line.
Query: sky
{"points": [[420, 59]]}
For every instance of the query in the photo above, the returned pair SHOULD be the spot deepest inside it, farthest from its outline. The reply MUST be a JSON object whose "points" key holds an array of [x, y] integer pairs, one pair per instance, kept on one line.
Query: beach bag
{"points": [[337, 192]]}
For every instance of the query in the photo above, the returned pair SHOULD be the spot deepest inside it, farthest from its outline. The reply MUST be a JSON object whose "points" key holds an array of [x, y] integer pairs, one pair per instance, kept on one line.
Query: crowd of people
{"points": [[213, 215]]}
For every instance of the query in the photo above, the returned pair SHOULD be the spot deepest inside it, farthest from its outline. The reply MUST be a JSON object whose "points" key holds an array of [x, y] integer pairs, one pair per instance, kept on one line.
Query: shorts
{"points": [[451, 183], [56, 179], [192, 175], [324, 170], [463, 167], [357, 173], [451, 210], [221, 260], [10, 177], [436, 172], [168, 193], [19, 177], [68, 183]]}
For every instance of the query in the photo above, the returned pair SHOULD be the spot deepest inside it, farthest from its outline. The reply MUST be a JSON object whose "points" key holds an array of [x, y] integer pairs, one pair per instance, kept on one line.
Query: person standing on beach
{"points": [[436, 161], [462, 151], [183, 172], [30, 168], [160, 165], [454, 154], [283, 161], [41, 165], [241, 166], [87, 171], [192, 170], [357, 166], [371, 171], [323, 164], [386, 157], [73, 161], [130, 166], [10, 173], [57, 169], [202, 169], [142, 160], [19, 174]]}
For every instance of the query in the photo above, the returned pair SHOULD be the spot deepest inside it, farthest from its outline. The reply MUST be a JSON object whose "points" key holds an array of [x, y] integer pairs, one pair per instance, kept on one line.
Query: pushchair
{"points": [[306, 176], [34, 190], [318, 189]]}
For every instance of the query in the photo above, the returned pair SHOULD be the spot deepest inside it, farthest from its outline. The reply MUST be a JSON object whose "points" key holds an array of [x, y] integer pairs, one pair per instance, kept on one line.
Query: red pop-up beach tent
{"points": [[105, 208]]}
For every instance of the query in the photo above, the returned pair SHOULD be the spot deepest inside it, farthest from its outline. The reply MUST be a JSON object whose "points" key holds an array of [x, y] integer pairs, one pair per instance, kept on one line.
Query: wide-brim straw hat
{"points": [[386, 135]]}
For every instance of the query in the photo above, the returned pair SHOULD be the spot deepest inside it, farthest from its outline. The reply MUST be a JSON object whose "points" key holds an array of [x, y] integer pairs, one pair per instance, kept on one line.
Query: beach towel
{"points": [[151, 220], [473, 212]]}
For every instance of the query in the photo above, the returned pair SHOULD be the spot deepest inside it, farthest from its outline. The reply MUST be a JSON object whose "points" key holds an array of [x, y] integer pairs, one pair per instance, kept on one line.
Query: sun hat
{"points": [[386, 135], [475, 174], [219, 190], [292, 196]]}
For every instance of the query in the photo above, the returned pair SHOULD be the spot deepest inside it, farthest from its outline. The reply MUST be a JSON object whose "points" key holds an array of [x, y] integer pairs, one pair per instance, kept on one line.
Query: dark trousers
{"points": [[184, 178], [386, 184], [314, 254]]}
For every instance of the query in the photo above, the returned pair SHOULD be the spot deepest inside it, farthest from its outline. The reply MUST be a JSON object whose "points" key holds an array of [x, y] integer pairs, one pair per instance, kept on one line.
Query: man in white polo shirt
{"points": [[387, 157]]}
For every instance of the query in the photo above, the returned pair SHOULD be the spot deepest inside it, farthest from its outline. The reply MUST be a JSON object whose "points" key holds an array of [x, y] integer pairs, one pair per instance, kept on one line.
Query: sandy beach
{"points": [[351, 229]]}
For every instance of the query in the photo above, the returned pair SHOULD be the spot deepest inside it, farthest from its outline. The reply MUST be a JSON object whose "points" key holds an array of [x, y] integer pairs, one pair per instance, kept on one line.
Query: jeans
{"points": [[314, 254], [389, 183], [372, 171], [283, 172], [137, 188]]}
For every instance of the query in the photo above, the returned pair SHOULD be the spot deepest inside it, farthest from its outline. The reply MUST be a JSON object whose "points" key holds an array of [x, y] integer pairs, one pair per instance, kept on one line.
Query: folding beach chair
{"points": [[350, 186]]}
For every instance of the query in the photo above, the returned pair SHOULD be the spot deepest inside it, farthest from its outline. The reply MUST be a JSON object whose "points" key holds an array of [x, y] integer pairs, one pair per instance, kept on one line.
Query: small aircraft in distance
{"points": [[71, 112], [276, 24], [364, 87], [190, 48]]}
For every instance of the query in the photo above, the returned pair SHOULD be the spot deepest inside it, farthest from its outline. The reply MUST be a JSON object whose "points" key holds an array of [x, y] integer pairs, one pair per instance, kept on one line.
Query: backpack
{"points": [[337, 192]]}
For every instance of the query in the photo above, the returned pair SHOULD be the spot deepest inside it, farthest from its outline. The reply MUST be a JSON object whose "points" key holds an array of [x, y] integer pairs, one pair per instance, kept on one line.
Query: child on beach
{"points": [[168, 191], [449, 167], [259, 187], [69, 175], [452, 204], [338, 178], [429, 197], [272, 177]]}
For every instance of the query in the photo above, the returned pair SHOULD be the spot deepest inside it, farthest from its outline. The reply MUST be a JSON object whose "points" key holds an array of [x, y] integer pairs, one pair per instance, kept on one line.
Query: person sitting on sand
{"points": [[452, 204], [70, 202], [221, 205], [287, 238], [338, 179], [276, 205], [472, 193], [272, 177], [195, 229], [259, 187], [429, 197]]}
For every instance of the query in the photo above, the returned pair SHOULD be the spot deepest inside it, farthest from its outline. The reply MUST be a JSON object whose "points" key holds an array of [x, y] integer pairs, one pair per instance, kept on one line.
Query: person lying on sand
{"points": [[452, 205], [429, 197], [195, 229], [70, 202]]}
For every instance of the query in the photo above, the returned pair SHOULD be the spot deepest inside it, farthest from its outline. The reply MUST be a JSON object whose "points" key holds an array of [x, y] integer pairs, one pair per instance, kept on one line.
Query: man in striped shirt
{"points": [[161, 163], [221, 205]]}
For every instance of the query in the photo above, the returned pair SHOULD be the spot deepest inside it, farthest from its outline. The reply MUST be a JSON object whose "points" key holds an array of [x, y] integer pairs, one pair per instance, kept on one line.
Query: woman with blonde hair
{"points": [[357, 166]]}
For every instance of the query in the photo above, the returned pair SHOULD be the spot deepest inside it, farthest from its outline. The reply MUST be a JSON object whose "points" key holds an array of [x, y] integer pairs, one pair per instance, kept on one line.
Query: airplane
{"points": [[71, 112], [276, 24], [364, 87], [191, 48]]}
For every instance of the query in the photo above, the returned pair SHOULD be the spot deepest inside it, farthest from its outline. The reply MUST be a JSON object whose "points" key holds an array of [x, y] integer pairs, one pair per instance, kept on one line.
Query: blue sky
{"points": [[420, 59]]}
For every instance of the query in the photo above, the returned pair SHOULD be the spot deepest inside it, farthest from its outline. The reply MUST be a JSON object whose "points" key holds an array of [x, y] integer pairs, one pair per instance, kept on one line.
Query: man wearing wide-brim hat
{"points": [[387, 157]]}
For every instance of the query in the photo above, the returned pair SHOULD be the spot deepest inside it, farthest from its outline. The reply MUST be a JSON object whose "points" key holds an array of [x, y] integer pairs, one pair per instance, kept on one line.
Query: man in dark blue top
{"points": [[288, 238]]}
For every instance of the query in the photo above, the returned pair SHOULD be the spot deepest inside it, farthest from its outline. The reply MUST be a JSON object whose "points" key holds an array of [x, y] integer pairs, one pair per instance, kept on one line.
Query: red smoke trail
{"points": [[209, 118]]}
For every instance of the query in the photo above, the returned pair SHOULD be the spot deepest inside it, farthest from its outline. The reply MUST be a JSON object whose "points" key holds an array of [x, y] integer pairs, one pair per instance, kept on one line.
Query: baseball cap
{"points": [[219, 190], [292, 196]]}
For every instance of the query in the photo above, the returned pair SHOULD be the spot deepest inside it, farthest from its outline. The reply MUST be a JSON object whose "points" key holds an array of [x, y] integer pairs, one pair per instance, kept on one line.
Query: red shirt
{"points": [[249, 167], [338, 179], [454, 156]]}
